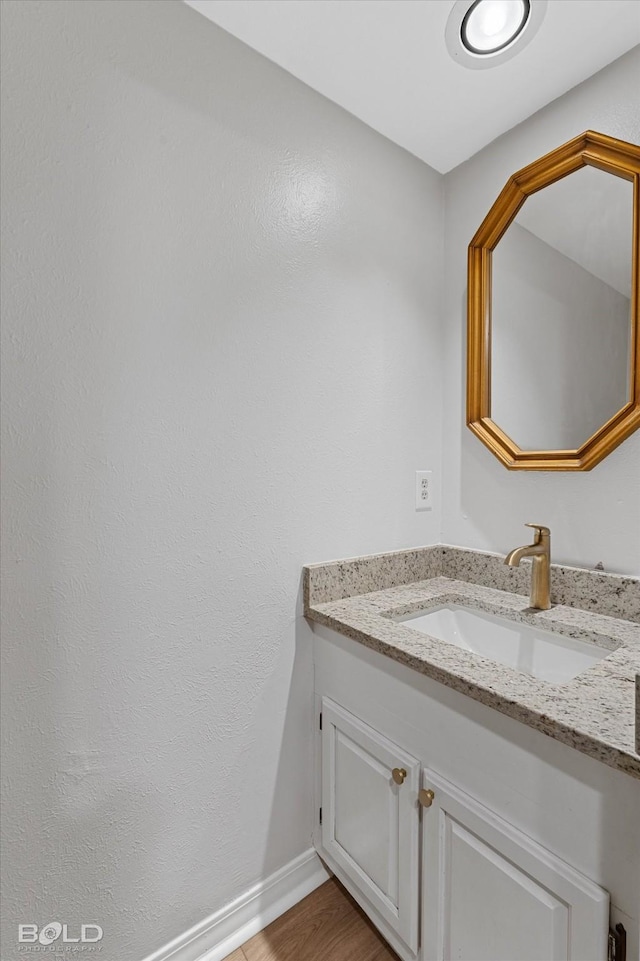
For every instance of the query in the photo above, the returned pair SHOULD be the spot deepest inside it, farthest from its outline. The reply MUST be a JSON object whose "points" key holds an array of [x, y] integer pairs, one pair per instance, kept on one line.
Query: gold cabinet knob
{"points": [[399, 774], [426, 797]]}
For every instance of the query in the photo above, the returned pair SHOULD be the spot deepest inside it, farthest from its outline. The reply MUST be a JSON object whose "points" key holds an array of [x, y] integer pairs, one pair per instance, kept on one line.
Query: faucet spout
{"points": [[540, 552], [514, 557]]}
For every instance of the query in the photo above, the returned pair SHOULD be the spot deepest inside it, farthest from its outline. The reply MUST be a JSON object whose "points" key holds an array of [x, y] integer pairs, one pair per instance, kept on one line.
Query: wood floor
{"points": [[326, 926]]}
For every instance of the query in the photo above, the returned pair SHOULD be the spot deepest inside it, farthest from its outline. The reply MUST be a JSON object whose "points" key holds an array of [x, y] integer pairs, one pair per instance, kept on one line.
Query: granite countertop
{"points": [[593, 713]]}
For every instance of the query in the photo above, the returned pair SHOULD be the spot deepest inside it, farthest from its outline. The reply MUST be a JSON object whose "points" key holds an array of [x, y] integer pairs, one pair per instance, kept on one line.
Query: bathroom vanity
{"points": [[474, 809]]}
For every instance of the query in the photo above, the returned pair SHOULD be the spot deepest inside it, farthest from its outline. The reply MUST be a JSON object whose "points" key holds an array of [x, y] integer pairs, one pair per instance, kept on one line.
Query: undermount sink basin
{"points": [[542, 654]]}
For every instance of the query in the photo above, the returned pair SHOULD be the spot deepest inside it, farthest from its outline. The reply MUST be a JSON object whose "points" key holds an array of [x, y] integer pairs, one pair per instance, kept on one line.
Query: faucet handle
{"points": [[541, 531]]}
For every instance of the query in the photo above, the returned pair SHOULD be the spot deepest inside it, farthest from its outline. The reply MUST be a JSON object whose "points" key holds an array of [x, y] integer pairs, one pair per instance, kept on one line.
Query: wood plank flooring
{"points": [[325, 926]]}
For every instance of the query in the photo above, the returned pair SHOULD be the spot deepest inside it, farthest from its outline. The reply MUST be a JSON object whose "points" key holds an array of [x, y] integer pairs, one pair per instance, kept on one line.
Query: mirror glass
{"points": [[561, 312]]}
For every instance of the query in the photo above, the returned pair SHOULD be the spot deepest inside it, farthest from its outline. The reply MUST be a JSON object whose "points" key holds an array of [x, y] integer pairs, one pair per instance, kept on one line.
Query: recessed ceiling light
{"points": [[483, 33]]}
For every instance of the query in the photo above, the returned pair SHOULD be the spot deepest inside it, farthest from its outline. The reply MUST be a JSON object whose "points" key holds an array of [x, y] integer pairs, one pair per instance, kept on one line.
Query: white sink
{"points": [[543, 654]]}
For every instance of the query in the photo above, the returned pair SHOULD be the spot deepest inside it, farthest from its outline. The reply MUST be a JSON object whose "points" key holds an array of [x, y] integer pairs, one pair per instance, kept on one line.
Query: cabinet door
{"points": [[370, 824], [490, 893]]}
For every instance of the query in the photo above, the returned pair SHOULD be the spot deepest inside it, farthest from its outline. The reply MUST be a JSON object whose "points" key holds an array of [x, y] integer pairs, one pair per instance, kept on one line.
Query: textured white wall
{"points": [[595, 515], [222, 360]]}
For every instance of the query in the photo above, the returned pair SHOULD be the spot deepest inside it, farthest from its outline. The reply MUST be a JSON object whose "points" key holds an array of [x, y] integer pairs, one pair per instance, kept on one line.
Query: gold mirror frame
{"points": [[589, 149]]}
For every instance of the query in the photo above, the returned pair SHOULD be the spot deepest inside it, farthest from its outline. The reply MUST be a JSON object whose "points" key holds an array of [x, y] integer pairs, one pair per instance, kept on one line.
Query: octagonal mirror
{"points": [[553, 364]]}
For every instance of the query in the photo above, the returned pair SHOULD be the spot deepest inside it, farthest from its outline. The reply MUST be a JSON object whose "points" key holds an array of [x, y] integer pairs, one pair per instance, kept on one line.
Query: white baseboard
{"points": [[221, 933]]}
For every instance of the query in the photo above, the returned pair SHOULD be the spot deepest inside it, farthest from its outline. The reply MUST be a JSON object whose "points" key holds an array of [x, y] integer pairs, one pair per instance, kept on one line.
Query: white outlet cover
{"points": [[424, 490]]}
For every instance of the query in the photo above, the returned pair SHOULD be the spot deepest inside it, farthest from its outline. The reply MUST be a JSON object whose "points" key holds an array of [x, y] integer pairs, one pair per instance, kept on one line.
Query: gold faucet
{"points": [[540, 553]]}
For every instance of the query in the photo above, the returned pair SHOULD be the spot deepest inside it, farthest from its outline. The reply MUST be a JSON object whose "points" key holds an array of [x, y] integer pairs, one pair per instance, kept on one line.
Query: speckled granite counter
{"points": [[594, 713]]}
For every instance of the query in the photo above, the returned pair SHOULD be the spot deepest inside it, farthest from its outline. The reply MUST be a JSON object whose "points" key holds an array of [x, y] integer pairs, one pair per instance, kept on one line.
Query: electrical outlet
{"points": [[424, 490]]}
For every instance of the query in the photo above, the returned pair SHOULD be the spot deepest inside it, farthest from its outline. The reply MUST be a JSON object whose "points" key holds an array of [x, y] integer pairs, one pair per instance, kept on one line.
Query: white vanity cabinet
{"points": [[524, 838]]}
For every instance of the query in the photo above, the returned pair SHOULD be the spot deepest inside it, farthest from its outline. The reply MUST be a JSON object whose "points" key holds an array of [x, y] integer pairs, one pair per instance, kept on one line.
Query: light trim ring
{"points": [[509, 25]]}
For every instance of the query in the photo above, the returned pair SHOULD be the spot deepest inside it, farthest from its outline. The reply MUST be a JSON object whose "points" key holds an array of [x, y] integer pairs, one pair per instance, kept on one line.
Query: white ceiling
{"points": [[386, 62]]}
